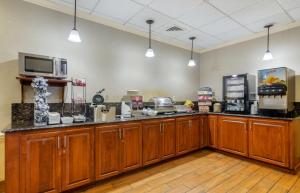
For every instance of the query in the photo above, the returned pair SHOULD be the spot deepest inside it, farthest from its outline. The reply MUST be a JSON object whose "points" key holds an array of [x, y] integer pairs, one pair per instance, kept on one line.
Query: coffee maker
{"points": [[276, 90]]}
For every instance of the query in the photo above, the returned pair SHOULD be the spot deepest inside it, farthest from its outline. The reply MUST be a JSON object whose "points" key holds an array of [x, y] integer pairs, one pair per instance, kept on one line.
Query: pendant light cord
{"points": [[75, 14], [192, 51], [268, 44], [149, 35]]}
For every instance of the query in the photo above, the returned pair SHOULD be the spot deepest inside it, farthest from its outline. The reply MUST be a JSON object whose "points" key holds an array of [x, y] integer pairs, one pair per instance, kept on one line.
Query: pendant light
{"points": [[268, 55], [149, 52], [192, 62], [74, 34]]}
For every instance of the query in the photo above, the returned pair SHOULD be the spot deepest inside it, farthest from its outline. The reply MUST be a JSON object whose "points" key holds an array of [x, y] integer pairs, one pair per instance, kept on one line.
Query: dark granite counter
{"points": [[26, 126]]}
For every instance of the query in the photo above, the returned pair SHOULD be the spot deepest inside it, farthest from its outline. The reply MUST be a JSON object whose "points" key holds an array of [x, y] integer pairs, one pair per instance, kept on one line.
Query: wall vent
{"points": [[174, 28]]}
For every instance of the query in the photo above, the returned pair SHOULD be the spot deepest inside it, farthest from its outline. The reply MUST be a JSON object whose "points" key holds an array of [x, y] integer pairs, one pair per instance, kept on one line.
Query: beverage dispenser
{"points": [[276, 90]]}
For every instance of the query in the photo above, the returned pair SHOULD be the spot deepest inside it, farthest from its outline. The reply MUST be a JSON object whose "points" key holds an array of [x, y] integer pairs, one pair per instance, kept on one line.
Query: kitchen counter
{"points": [[26, 126]]}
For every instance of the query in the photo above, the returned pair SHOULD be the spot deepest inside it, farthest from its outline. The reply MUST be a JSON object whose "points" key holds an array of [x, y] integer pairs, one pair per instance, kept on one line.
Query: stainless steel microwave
{"points": [[39, 65]]}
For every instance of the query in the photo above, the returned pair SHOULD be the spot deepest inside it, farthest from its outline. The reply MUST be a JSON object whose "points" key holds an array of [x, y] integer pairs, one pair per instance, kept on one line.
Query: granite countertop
{"points": [[29, 126]]}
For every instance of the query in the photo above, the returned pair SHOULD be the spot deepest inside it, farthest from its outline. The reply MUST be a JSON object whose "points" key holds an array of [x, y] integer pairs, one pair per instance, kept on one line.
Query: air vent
{"points": [[174, 28]]}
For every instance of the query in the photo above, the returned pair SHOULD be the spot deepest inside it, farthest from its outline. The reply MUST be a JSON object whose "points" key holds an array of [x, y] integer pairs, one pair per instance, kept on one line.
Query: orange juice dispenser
{"points": [[276, 90]]}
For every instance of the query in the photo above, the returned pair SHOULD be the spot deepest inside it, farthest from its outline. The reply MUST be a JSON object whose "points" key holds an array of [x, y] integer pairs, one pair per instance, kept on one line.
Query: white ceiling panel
{"points": [[231, 6], [174, 8], [295, 13], [120, 10], [83, 5], [145, 14], [201, 15], [289, 4], [209, 42], [220, 26], [278, 19], [194, 33], [144, 2], [258, 11], [234, 34]]}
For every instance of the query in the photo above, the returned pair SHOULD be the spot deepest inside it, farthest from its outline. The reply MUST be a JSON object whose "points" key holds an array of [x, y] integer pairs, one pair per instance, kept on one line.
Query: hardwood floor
{"points": [[202, 172]]}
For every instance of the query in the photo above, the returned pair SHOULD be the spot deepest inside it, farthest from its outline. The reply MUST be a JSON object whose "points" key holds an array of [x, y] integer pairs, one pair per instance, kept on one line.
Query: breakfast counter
{"points": [[62, 157], [26, 126]]}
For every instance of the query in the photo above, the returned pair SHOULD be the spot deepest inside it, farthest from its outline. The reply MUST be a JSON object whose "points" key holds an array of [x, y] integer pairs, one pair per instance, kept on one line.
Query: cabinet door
{"points": [[212, 130], [131, 144], [168, 138], [194, 134], [182, 136], [203, 131], [233, 135], [77, 158], [39, 163], [269, 141], [107, 151], [152, 135]]}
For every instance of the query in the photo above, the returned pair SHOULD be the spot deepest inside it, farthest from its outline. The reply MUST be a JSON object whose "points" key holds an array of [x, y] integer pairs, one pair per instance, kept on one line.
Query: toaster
{"points": [[53, 118]]}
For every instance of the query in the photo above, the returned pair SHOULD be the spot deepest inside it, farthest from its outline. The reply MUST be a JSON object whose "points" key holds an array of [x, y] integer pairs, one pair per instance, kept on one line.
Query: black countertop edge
{"points": [[28, 127]]}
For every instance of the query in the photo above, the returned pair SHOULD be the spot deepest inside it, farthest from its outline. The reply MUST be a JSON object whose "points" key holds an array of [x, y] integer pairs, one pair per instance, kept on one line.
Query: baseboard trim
{"points": [[2, 183]]}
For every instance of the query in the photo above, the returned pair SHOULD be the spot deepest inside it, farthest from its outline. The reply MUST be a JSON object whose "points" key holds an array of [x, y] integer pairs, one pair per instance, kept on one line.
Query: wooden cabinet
{"points": [[233, 135], [107, 151], [152, 132], [168, 138], [131, 147], [187, 134], [212, 130], [40, 163], [56, 161], [269, 141], [118, 149], [77, 158], [159, 139], [203, 131]]}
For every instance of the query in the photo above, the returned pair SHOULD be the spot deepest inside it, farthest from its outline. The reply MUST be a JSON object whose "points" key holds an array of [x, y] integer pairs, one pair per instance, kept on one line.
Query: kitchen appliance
{"points": [[67, 120], [78, 98], [205, 97], [98, 99], [238, 92], [45, 66], [276, 90], [182, 108], [162, 105], [135, 101], [53, 118]]}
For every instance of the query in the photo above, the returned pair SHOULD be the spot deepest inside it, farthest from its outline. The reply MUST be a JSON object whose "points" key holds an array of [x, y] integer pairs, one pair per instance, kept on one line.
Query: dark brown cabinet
{"points": [[187, 134], [269, 141], [56, 161], [168, 138], [40, 163], [77, 158], [233, 135], [159, 139], [118, 149], [212, 130], [203, 127]]}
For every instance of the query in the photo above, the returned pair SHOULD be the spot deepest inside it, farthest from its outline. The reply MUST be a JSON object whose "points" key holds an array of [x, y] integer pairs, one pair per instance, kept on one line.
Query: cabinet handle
{"points": [[163, 128], [160, 130], [123, 133], [65, 142], [190, 123], [58, 143]]}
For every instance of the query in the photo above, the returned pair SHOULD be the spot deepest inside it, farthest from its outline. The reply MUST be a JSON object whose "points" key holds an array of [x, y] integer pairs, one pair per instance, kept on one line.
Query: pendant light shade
{"points": [[150, 52], [74, 34], [192, 62], [268, 55]]}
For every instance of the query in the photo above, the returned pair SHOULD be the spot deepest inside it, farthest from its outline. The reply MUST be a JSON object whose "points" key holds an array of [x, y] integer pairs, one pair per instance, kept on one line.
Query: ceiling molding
{"points": [[122, 27]]}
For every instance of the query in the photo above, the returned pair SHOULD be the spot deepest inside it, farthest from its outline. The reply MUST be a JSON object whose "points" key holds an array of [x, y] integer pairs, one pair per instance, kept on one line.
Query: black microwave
{"points": [[39, 65]]}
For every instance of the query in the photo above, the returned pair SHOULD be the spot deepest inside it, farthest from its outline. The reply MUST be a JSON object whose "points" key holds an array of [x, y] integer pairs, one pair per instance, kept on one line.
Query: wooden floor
{"points": [[200, 172]]}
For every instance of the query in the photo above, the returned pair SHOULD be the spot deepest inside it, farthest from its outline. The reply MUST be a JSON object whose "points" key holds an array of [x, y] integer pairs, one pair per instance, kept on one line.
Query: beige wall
{"points": [[107, 57], [246, 57]]}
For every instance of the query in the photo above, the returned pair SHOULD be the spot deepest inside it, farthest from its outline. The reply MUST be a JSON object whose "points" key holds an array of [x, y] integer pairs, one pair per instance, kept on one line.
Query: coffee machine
{"points": [[276, 90]]}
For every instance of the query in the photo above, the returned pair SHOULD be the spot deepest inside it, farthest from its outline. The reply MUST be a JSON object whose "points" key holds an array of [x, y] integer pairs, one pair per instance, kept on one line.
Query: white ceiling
{"points": [[213, 22]]}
